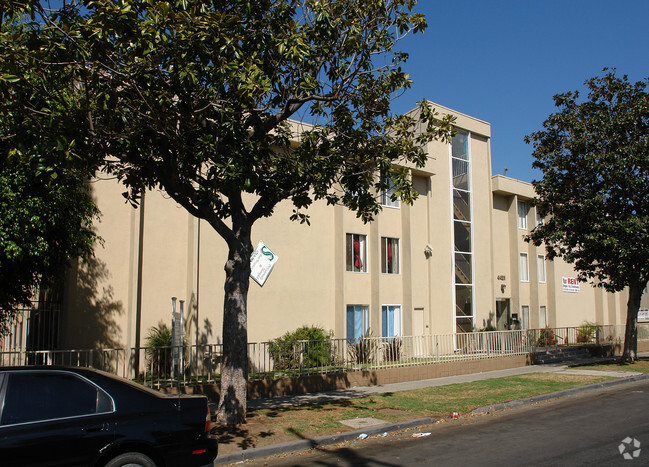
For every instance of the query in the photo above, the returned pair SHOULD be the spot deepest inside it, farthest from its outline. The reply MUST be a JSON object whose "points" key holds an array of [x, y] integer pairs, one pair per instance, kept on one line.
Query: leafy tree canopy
{"points": [[202, 99], [594, 155], [44, 200]]}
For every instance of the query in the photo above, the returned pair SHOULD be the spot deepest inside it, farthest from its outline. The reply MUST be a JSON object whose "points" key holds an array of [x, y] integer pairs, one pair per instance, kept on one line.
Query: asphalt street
{"points": [[589, 428]]}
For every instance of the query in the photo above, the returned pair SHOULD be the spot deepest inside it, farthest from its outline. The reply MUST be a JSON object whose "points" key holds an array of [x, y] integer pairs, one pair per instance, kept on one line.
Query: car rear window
{"points": [[33, 396]]}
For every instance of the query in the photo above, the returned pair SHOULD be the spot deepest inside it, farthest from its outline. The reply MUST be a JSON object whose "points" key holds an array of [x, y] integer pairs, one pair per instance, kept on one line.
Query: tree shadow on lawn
{"points": [[244, 436], [264, 425]]}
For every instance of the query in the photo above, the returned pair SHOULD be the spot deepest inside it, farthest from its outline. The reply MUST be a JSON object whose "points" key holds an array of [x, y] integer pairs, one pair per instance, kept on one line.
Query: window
{"points": [[356, 257], [525, 311], [460, 145], [539, 218], [391, 320], [464, 308], [389, 255], [543, 317], [524, 268], [387, 195], [462, 231], [357, 321], [541, 268], [522, 215], [33, 396]]}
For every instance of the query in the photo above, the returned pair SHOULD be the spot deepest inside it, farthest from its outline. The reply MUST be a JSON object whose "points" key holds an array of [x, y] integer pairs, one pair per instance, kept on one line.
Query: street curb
{"points": [[554, 395], [292, 446]]}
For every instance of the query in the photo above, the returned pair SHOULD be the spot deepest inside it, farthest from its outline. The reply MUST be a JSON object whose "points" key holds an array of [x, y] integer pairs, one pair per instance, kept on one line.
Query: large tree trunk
{"points": [[234, 366], [630, 352]]}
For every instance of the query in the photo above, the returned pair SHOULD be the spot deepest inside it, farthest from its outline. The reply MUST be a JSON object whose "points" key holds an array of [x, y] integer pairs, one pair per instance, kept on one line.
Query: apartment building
{"points": [[529, 289], [453, 261]]}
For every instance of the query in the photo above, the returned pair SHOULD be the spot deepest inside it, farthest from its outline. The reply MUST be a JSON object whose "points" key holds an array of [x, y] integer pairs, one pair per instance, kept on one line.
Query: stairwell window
{"points": [[356, 253], [461, 191], [389, 255], [524, 268]]}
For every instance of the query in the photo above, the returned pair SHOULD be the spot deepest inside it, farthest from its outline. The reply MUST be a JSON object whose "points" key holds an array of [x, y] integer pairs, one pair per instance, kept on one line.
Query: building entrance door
{"points": [[503, 314]]}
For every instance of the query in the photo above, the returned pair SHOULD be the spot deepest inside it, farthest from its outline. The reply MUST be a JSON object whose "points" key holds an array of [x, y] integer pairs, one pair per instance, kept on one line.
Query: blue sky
{"points": [[502, 61]]}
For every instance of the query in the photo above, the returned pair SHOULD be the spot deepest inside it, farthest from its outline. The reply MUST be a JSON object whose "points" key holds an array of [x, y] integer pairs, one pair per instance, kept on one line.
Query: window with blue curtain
{"points": [[357, 321], [390, 320]]}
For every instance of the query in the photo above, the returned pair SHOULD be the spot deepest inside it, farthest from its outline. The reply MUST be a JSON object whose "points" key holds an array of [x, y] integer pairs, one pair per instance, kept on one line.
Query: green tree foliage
{"points": [[594, 155], [200, 100], [46, 210]]}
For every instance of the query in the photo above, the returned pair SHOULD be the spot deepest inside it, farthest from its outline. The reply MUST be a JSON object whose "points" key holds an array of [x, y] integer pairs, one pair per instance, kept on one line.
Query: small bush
{"points": [[306, 347], [158, 352], [392, 350], [547, 337], [363, 350], [586, 332]]}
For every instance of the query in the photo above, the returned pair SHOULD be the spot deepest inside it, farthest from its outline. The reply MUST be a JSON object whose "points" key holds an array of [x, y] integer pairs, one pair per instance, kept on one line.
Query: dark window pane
{"points": [[463, 300], [40, 396], [349, 256], [462, 236], [463, 268], [464, 325], [460, 145], [460, 174], [461, 210]]}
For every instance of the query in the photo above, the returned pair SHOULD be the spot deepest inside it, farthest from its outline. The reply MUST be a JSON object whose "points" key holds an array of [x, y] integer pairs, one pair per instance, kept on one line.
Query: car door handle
{"points": [[95, 428]]}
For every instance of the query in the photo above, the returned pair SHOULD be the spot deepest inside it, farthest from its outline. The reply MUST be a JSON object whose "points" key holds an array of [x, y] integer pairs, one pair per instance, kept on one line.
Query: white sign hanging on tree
{"points": [[262, 261]]}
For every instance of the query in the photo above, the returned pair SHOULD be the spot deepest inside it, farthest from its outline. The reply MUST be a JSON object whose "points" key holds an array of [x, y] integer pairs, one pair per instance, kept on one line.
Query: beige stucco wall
{"points": [[157, 251], [184, 257], [564, 309]]}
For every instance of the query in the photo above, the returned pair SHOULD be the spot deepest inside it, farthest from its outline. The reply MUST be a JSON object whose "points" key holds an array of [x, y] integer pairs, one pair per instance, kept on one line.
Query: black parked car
{"points": [[79, 416]]}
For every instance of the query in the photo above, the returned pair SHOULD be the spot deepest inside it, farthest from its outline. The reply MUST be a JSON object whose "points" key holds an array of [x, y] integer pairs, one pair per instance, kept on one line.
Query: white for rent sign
{"points": [[570, 284]]}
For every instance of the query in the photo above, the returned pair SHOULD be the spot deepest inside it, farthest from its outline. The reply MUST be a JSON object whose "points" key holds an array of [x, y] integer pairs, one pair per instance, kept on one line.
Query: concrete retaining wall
{"points": [[329, 382]]}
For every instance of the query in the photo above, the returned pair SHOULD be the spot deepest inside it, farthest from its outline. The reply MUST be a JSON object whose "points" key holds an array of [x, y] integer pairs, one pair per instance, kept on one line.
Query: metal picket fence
{"points": [[154, 367]]}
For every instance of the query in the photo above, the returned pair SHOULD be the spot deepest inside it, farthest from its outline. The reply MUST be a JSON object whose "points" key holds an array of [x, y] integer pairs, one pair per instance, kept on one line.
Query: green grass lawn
{"points": [[641, 366], [437, 402]]}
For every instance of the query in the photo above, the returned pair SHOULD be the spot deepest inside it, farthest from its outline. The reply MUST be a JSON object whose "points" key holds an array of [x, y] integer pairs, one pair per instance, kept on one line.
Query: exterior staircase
{"points": [[543, 355]]}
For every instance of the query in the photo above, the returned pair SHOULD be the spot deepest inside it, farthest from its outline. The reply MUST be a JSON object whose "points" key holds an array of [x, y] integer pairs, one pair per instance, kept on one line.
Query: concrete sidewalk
{"points": [[357, 392]]}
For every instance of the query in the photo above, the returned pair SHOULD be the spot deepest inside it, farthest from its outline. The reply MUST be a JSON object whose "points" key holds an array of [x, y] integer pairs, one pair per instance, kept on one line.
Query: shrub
{"points": [[547, 337], [363, 350], [158, 352], [306, 347], [392, 350], [586, 331]]}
